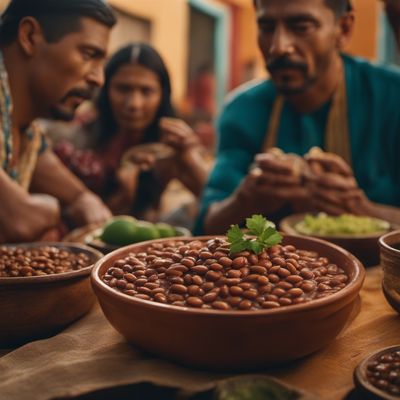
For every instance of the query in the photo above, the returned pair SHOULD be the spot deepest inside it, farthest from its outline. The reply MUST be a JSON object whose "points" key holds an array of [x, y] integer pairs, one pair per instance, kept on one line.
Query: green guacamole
{"points": [[345, 224]]}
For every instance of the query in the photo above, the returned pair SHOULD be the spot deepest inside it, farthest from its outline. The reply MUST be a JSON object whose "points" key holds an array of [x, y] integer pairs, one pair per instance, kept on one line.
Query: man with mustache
{"points": [[316, 97], [51, 59]]}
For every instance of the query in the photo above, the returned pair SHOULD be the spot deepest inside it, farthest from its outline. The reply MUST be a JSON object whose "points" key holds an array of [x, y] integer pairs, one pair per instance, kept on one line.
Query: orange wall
{"points": [[169, 34], [365, 39]]}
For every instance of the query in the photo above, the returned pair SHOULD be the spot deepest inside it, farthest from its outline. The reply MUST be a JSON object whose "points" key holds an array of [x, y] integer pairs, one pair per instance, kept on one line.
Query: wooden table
{"points": [[90, 355]]}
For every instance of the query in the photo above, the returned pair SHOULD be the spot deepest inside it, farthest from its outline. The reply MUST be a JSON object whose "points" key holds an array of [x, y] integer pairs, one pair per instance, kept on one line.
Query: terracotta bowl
{"points": [[365, 387], [40, 306], [390, 261], [364, 247], [216, 339]]}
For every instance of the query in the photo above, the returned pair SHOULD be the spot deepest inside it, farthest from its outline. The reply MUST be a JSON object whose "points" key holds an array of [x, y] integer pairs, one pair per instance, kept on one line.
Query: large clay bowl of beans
{"points": [[43, 288], [191, 301]]}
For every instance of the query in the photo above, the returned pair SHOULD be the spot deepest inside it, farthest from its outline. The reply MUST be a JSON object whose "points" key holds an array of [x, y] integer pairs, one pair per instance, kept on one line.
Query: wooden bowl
{"points": [[364, 247], [216, 339], [390, 261], [40, 306], [364, 386]]}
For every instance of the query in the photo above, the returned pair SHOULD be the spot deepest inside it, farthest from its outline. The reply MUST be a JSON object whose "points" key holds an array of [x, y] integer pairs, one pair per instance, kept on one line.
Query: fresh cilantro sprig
{"points": [[264, 231]]}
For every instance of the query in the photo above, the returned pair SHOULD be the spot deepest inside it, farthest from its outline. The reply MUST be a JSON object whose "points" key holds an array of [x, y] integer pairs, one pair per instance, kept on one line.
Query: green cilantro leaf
{"points": [[256, 247], [236, 239], [256, 225], [235, 234], [264, 230]]}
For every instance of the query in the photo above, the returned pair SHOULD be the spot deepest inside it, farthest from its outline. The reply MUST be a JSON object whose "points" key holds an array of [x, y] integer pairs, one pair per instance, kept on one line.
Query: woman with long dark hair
{"points": [[134, 108]]}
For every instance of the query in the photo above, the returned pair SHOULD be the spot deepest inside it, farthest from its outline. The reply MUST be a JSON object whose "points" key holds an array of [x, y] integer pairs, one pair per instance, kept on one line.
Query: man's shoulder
{"points": [[252, 93], [373, 70]]}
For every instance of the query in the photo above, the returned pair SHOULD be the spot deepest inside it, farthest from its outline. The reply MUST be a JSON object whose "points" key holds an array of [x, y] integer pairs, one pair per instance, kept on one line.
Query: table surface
{"points": [[90, 355]]}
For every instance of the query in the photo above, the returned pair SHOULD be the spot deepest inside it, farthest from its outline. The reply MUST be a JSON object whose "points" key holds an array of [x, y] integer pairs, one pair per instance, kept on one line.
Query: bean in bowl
{"points": [[39, 261], [205, 274], [384, 372]]}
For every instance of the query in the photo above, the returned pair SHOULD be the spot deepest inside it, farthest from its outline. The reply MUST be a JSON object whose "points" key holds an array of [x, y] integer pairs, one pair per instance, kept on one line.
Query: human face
{"points": [[299, 41], [135, 96], [67, 72]]}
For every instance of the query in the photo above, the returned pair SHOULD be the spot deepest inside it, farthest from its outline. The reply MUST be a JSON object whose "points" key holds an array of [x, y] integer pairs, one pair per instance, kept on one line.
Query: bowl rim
{"points": [[287, 223], [354, 285], [384, 245], [359, 373], [20, 280]]}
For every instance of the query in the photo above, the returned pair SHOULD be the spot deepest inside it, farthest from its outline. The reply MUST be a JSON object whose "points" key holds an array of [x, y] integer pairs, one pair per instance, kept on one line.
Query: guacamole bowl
{"points": [[358, 235]]}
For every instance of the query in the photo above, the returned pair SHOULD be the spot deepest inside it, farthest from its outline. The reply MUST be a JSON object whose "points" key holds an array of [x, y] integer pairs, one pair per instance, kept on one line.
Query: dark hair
{"points": [[56, 17], [146, 56], [339, 7]]}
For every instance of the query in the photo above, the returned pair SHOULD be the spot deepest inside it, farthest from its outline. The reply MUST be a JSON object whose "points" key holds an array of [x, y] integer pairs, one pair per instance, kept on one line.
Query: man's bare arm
{"points": [[53, 178], [24, 217]]}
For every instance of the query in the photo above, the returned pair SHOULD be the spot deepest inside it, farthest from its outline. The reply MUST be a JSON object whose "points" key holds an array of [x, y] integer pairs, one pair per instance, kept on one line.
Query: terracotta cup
{"points": [[390, 261]]}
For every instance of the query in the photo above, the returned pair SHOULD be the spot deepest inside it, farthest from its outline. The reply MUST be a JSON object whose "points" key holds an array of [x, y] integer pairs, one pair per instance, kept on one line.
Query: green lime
{"points": [[145, 231], [119, 232], [165, 230]]}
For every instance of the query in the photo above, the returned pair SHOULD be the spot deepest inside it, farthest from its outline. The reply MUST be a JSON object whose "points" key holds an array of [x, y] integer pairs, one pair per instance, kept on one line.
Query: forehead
{"points": [[92, 33], [135, 74], [281, 9]]}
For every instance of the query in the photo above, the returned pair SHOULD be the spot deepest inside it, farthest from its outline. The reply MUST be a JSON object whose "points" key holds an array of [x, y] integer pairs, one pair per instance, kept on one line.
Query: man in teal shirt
{"points": [[316, 97]]}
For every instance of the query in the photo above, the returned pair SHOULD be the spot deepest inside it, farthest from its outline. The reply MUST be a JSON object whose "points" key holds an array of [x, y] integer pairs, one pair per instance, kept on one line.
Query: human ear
{"points": [[29, 35], [345, 29]]}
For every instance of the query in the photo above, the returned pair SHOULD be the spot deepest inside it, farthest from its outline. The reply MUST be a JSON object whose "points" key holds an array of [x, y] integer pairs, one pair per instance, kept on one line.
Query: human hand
{"points": [[332, 186], [88, 208], [275, 179], [139, 160], [127, 176], [178, 134]]}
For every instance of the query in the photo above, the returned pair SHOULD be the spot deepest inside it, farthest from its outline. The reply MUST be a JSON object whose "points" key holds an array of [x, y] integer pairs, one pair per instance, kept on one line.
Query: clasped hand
{"points": [[318, 182]]}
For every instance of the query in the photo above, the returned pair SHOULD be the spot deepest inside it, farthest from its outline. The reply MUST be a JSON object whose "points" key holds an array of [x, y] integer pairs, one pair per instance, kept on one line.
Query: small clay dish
{"points": [[35, 307], [160, 151], [373, 376], [390, 261]]}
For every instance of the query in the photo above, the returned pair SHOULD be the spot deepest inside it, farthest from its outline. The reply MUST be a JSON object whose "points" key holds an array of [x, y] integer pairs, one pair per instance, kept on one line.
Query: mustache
{"points": [[86, 94], [284, 62]]}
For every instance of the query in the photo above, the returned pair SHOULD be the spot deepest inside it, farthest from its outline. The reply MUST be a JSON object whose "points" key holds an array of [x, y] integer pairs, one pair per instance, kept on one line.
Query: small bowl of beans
{"points": [[378, 376], [43, 288], [192, 301], [390, 261]]}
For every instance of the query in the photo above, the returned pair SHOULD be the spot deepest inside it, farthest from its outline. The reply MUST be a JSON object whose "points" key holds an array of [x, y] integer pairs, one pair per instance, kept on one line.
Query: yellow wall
{"points": [[169, 34]]}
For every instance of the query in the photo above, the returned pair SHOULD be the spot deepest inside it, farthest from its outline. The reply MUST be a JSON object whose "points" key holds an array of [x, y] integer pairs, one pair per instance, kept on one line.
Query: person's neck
{"points": [[23, 105], [321, 91]]}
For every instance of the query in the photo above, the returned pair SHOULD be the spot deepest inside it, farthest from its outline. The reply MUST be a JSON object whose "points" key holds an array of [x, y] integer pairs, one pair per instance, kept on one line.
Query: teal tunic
{"points": [[373, 96]]}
